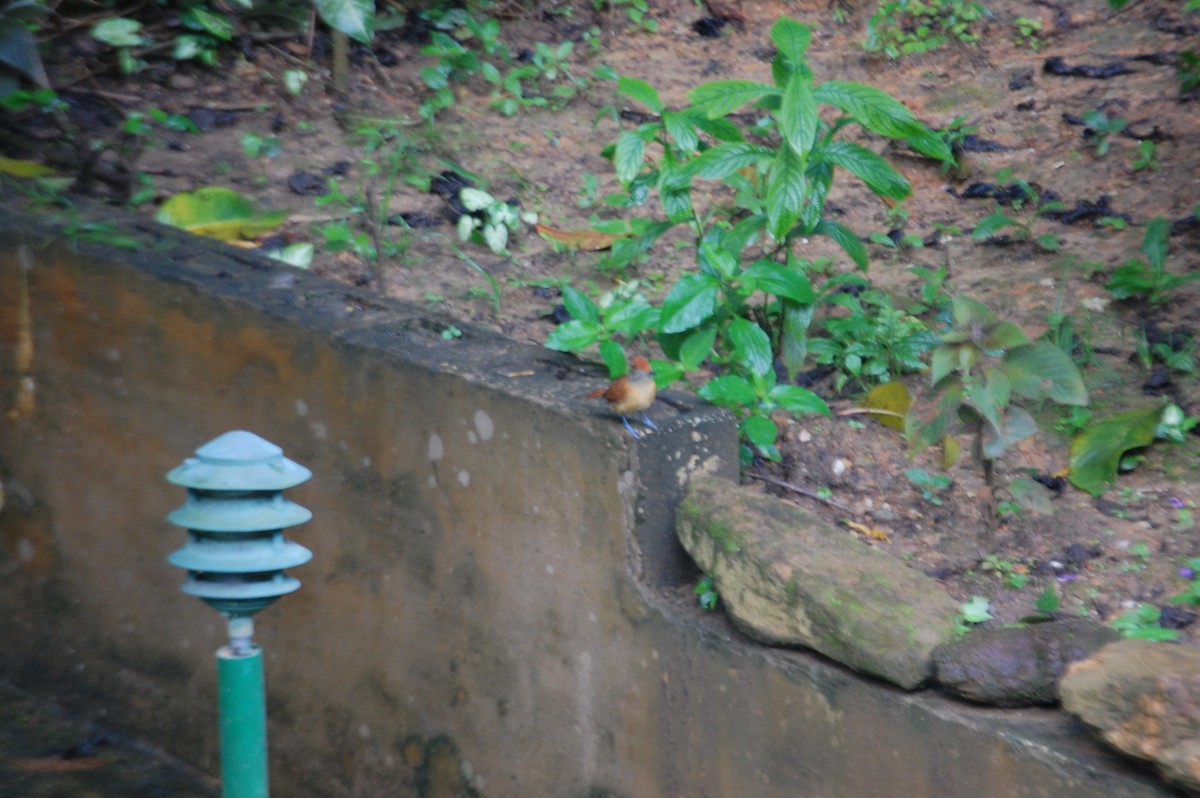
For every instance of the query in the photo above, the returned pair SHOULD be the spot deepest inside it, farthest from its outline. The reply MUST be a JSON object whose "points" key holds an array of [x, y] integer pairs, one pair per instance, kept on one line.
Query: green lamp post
{"points": [[235, 556]]}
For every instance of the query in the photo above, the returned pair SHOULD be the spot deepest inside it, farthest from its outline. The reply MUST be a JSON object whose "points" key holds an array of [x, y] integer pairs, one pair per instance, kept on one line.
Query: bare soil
{"points": [[1092, 549]]}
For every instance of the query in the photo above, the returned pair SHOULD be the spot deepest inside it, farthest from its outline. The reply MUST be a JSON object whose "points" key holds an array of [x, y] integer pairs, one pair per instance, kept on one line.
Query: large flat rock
{"points": [[789, 578]]}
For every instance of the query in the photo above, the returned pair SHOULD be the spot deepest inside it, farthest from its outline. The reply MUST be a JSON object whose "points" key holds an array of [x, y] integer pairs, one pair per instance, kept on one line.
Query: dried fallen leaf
{"points": [[892, 400], [588, 240], [871, 532]]}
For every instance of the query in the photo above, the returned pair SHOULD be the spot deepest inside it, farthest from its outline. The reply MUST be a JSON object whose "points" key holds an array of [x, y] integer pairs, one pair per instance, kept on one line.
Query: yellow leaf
{"points": [[218, 213], [16, 168], [588, 240], [891, 397], [872, 532], [951, 451]]}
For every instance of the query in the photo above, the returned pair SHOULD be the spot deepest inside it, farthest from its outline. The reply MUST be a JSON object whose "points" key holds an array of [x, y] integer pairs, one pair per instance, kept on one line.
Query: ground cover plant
{"points": [[770, 213]]}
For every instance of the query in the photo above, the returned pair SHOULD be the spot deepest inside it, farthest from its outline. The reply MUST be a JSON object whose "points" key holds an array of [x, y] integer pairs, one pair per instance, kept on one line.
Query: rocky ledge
{"points": [[788, 578]]}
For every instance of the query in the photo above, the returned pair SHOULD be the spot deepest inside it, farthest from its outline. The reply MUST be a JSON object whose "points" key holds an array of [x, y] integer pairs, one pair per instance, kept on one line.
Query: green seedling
{"points": [[905, 27], [1148, 279], [980, 369], [930, 485], [1099, 128], [706, 593], [1029, 33]]}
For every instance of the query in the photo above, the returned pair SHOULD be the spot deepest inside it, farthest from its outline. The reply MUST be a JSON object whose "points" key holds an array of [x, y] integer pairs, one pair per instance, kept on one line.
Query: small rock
{"points": [[1017, 666], [180, 82], [1143, 698], [786, 577]]}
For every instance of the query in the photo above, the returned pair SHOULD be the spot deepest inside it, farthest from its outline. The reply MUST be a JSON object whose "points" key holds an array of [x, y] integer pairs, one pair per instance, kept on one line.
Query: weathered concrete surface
{"points": [[477, 614], [1143, 698], [789, 578]]}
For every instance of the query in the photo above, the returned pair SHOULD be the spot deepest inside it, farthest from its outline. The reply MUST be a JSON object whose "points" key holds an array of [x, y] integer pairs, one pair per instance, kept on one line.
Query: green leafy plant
{"points": [[981, 366], [1012, 574], [930, 485], [706, 593], [490, 219], [622, 314], [1029, 33], [873, 343], [904, 27], [1148, 279], [741, 316], [1027, 208], [977, 610], [1142, 622], [1099, 128], [1145, 158], [638, 12], [1187, 71], [1100, 452]]}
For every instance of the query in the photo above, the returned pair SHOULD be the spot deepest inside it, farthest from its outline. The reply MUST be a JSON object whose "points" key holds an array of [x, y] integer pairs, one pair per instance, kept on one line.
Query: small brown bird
{"points": [[632, 393]]}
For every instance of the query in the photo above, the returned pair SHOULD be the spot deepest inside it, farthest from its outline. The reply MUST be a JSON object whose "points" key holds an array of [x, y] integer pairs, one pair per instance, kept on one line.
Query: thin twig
{"points": [[803, 492]]}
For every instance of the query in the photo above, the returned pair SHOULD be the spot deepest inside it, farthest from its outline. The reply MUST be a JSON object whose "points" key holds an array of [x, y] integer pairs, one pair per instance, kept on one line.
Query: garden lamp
{"points": [[235, 558]]}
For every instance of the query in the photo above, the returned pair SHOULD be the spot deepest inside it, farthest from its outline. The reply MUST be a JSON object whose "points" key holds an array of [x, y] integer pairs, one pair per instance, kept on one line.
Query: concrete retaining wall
{"points": [[497, 605]]}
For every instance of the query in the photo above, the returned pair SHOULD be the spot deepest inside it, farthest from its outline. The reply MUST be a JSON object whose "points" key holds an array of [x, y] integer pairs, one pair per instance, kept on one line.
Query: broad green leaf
{"points": [[799, 401], [118, 32], [676, 201], [873, 108], [1004, 335], [580, 305], [1043, 371], [640, 91], [793, 344], [760, 430], [744, 233], [697, 348], [614, 358], [847, 239], [1154, 243], [573, 336], [787, 190], [1015, 425], [774, 278], [680, 128], [976, 610], [1048, 601], [217, 25], [629, 155], [723, 160], [1097, 451], [791, 38], [751, 346], [719, 129], [798, 118], [722, 97], [716, 260], [990, 225], [19, 47], [355, 18], [728, 391], [632, 317], [218, 213], [878, 174], [691, 301], [970, 314], [942, 362]]}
